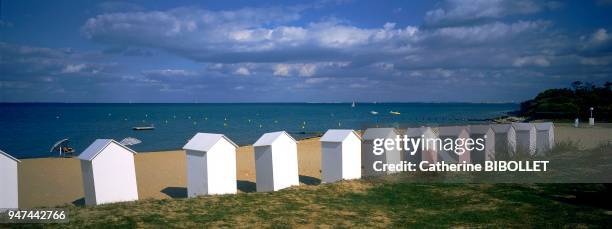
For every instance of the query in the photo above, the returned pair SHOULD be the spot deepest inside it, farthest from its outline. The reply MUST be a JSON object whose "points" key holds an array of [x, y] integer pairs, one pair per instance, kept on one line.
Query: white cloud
{"points": [[74, 68], [316, 80], [281, 70], [599, 39], [454, 12], [182, 30], [537, 61], [243, 71], [169, 72], [307, 70], [488, 32]]}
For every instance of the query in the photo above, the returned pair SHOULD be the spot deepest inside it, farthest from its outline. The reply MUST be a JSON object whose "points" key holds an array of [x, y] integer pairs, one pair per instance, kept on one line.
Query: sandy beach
{"points": [[45, 182]]}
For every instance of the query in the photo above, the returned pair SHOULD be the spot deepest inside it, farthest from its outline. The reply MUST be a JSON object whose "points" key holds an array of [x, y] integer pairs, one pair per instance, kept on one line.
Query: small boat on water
{"points": [[151, 127], [394, 113], [373, 112], [353, 105]]}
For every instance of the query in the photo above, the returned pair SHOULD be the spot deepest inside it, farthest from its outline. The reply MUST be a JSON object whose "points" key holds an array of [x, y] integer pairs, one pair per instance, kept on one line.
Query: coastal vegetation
{"points": [[570, 103]]}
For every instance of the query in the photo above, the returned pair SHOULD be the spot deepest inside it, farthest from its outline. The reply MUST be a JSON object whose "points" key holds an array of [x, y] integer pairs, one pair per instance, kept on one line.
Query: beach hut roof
{"points": [[416, 131], [479, 129], [9, 156], [338, 135], [544, 126], [450, 130], [97, 147], [522, 126], [205, 141], [373, 133], [269, 138], [501, 128]]}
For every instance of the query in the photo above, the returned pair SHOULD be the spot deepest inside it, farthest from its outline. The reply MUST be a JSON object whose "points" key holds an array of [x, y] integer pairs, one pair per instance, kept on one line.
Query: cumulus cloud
{"points": [[598, 42], [73, 68], [243, 71], [281, 70], [538, 61], [454, 12], [462, 44], [169, 73], [245, 35]]}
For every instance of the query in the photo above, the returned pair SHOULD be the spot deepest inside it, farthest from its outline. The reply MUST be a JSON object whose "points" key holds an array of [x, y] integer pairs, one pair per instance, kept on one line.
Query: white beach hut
{"points": [[453, 154], [211, 165], [429, 150], [8, 181], [109, 174], [525, 137], [505, 140], [276, 162], [545, 137], [340, 155], [485, 132], [368, 158]]}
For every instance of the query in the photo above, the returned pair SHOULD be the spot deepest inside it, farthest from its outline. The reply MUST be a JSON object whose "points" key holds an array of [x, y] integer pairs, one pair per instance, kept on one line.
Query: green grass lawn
{"points": [[391, 201], [371, 203]]}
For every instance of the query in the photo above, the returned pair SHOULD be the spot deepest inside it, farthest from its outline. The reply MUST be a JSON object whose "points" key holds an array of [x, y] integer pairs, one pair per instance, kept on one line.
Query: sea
{"points": [[29, 130]]}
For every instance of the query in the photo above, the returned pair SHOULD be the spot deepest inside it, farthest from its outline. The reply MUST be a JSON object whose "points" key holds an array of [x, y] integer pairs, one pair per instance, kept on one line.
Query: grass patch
{"points": [[367, 203]]}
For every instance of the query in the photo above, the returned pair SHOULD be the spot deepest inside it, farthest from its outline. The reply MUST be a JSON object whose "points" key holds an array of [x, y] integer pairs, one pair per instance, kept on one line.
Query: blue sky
{"points": [[299, 51]]}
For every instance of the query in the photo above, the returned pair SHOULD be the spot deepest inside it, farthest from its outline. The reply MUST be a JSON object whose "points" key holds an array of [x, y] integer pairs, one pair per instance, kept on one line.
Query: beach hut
{"points": [[454, 154], [340, 155], [368, 158], [276, 162], [211, 165], [429, 150], [108, 171], [8, 181], [484, 132], [545, 139], [505, 140], [525, 137]]}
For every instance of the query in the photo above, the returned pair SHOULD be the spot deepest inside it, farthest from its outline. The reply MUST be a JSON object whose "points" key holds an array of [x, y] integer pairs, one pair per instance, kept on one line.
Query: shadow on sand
{"points": [[308, 180], [79, 202], [175, 192], [246, 186]]}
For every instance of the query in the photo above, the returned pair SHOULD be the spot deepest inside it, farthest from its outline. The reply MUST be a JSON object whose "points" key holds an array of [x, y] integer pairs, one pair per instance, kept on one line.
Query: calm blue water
{"points": [[29, 130]]}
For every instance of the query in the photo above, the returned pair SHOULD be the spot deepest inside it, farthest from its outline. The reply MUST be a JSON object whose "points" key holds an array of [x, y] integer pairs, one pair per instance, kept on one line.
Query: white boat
{"points": [[394, 112], [353, 105], [373, 112], [151, 127]]}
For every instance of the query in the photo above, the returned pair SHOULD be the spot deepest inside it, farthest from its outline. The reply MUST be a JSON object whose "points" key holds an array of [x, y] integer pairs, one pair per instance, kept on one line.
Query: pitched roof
{"points": [[205, 141], [269, 138], [522, 126], [9, 156], [373, 133], [544, 126], [97, 147], [334, 135], [417, 131], [479, 129], [450, 130], [501, 128]]}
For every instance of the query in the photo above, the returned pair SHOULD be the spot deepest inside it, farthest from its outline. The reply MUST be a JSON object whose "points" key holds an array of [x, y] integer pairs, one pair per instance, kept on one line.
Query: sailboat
{"points": [[353, 105]]}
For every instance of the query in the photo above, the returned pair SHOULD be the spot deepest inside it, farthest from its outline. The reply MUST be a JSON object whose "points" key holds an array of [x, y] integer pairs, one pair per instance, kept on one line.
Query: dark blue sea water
{"points": [[29, 130]]}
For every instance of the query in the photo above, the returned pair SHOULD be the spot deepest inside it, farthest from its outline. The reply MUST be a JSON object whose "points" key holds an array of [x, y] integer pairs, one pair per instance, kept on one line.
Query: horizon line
{"points": [[342, 102]]}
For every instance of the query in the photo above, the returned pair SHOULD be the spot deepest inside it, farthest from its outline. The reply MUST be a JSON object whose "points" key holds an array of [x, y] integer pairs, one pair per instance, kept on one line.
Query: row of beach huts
{"points": [[109, 173]]}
